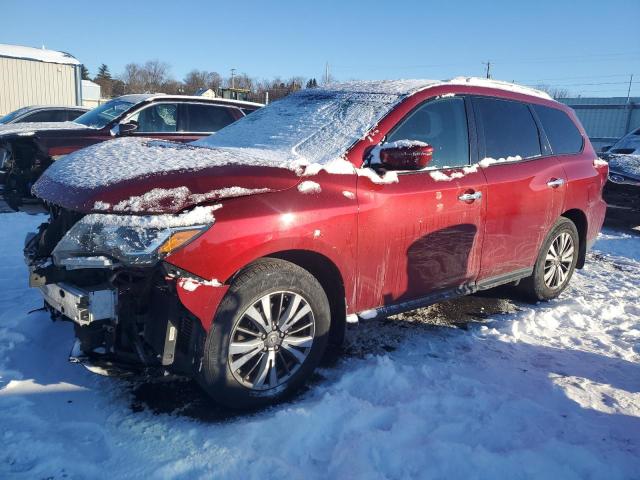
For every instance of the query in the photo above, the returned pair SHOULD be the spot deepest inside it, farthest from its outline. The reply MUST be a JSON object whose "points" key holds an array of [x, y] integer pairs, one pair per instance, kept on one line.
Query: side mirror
{"points": [[126, 128], [405, 155]]}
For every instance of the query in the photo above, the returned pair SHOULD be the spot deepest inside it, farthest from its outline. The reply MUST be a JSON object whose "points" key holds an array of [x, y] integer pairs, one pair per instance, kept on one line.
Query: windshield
{"points": [[313, 124], [11, 116], [102, 115]]}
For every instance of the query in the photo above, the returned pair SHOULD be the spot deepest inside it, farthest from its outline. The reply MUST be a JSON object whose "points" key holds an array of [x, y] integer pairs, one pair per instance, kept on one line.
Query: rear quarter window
{"points": [[562, 133], [509, 128]]}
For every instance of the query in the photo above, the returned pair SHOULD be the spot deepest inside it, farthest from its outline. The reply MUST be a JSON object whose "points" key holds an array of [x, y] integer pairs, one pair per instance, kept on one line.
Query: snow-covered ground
{"points": [[546, 391]]}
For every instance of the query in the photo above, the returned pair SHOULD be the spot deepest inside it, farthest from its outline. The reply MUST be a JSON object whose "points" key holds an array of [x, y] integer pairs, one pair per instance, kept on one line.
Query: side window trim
{"points": [[472, 144], [545, 145]]}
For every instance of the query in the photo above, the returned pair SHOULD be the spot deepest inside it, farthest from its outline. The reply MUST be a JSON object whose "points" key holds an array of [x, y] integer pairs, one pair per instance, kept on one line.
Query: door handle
{"points": [[470, 197], [555, 182]]}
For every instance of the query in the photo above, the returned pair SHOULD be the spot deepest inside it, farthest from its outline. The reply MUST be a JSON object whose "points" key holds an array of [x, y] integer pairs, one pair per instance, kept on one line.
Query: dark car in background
{"points": [[44, 113], [27, 149], [623, 188]]}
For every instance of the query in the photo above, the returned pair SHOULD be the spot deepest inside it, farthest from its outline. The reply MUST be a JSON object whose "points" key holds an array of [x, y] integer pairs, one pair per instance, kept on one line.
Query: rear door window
{"points": [[205, 118], [157, 118], [509, 128], [563, 135], [443, 125], [46, 116]]}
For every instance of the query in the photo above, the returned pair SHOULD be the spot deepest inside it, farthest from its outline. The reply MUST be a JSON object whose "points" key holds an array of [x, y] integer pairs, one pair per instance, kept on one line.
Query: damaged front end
{"points": [[106, 274]]}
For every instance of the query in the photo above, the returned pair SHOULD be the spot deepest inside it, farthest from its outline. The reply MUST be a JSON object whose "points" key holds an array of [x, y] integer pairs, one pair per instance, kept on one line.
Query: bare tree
{"points": [[196, 79], [554, 92], [151, 77]]}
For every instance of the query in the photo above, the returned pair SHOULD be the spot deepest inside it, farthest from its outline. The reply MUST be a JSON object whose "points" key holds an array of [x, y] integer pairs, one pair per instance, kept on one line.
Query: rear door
{"points": [[525, 194], [419, 235]]}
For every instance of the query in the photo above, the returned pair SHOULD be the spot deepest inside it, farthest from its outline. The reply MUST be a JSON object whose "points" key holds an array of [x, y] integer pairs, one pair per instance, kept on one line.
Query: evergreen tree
{"points": [[103, 72], [103, 78], [84, 71], [312, 83]]}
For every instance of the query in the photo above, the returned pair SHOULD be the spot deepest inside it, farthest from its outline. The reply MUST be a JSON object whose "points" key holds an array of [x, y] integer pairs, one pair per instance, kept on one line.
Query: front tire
{"points": [[268, 335], [555, 264]]}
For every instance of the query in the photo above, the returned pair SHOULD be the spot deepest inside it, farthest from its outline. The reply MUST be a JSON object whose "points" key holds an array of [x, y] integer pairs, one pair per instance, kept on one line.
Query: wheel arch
{"points": [[330, 278], [579, 219]]}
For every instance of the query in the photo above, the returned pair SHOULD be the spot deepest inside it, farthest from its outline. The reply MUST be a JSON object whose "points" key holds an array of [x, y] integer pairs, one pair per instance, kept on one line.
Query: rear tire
{"points": [[555, 264], [268, 335]]}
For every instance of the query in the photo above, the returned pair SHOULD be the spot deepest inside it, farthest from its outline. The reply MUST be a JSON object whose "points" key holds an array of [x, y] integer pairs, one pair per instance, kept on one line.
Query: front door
{"points": [[422, 234]]}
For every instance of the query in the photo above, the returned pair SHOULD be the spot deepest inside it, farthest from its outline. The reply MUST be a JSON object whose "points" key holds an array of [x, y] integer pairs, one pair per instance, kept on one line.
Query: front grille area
{"points": [[60, 222], [185, 331]]}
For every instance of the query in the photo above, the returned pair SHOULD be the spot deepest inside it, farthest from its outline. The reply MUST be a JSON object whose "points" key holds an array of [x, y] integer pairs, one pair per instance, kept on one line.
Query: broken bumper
{"points": [[81, 305]]}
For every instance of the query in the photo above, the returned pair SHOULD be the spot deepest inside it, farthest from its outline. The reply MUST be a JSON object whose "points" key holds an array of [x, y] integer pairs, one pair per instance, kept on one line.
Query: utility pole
{"points": [[629, 89], [326, 73], [233, 78], [488, 64]]}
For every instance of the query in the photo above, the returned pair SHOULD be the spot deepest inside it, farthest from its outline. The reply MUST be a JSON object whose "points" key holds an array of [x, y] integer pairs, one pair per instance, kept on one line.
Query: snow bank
{"points": [[547, 391], [39, 54]]}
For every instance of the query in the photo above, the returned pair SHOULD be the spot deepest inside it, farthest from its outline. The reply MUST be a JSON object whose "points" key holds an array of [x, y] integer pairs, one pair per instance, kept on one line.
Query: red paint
{"points": [[202, 300], [391, 242], [400, 241]]}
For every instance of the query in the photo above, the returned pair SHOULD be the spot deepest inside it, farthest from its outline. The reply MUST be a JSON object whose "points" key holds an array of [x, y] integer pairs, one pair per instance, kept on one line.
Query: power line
{"points": [[505, 61], [588, 84]]}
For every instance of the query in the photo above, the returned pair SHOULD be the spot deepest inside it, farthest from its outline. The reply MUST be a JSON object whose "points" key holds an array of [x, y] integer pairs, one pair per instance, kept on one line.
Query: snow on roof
{"points": [[198, 98], [37, 54], [408, 87]]}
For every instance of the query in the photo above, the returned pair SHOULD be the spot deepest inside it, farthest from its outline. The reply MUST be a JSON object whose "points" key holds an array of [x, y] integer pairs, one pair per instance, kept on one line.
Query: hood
{"points": [[152, 176], [625, 166], [28, 129]]}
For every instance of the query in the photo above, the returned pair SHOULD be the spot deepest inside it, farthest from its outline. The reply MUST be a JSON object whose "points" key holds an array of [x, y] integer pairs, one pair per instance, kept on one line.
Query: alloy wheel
{"points": [[271, 340], [557, 264]]}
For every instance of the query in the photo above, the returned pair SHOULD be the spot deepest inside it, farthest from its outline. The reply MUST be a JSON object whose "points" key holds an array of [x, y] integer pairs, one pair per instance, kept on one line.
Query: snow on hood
{"points": [[145, 175], [30, 128], [625, 164], [128, 158]]}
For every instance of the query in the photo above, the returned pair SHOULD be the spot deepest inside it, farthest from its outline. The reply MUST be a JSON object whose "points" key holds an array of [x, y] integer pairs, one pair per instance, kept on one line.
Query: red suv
{"points": [[237, 259]]}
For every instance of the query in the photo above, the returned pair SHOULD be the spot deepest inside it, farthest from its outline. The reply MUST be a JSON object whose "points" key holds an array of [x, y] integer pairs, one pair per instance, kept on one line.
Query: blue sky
{"points": [[590, 47]]}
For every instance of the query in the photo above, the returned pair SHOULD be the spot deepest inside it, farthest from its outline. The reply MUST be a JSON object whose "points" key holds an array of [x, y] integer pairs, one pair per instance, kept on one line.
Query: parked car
{"points": [[237, 259], [27, 149], [624, 159], [43, 113]]}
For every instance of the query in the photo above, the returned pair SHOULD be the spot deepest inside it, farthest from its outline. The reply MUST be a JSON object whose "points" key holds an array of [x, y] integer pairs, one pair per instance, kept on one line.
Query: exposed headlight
{"points": [[129, 239]]}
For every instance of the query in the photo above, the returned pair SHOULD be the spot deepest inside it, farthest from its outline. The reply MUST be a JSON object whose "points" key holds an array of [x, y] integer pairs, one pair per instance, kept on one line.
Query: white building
{"points": [[33, 76], [90, 94]]}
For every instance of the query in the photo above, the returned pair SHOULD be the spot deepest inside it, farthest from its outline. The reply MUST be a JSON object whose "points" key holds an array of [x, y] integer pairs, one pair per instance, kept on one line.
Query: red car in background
{"points": [[236, 259], [27, 149]]}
